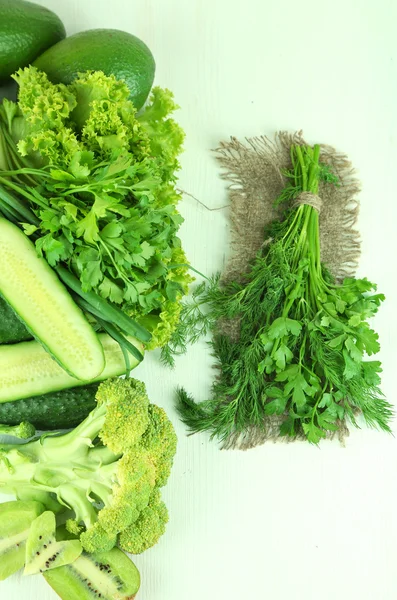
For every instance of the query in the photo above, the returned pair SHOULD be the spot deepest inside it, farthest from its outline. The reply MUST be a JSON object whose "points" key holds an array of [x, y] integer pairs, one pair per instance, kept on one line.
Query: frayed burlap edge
{"points": [[255, 436], [255, 173]]}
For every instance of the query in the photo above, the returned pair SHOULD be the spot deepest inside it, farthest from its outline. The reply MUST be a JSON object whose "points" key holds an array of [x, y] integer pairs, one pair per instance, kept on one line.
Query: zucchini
{"points": [[28, 370], [34, 291], [57, 410], [11, 327]]}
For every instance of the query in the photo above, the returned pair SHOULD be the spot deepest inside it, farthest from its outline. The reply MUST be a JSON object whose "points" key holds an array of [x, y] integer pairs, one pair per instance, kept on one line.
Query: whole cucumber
{"points": [[55, 410]]}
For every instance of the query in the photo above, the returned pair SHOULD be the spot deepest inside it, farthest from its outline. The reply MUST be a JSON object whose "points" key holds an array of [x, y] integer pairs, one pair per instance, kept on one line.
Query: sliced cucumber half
{"points": [[42, 302], [28, 370]]}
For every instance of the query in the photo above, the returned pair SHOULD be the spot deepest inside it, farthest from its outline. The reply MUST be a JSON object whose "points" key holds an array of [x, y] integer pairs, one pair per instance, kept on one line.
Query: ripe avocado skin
{"points": [[112, 51], [26, 30]]}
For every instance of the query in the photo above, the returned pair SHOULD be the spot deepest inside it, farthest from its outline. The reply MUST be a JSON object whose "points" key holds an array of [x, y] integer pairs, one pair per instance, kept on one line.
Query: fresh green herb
{"points": [[93, 183], [196, 320], [301, 338]]}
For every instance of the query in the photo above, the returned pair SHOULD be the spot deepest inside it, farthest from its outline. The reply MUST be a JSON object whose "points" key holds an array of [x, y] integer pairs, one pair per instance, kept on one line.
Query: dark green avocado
{"points": [[26, 30]]}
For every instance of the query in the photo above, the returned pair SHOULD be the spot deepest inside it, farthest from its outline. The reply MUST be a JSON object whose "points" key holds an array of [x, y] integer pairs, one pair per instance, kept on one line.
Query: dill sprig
{"points": [[196, 319]]}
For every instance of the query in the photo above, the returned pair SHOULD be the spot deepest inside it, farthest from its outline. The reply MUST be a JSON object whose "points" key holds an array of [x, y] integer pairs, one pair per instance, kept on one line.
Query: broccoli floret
{"points": [[97, 539], [148, 528], [136, 478], [106, 472], [117, 433], [160, 441], [24, 431]]}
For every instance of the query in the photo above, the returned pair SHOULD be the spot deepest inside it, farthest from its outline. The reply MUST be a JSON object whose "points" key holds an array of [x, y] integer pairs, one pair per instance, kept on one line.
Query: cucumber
{"points": [[34, 291], [11, 327], [28, 370], [57, 410]]}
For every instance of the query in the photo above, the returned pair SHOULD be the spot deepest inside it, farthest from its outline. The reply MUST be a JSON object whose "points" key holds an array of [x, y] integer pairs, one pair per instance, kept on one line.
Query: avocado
{"points": [[8, 90], [26, 30], [112, 51]]}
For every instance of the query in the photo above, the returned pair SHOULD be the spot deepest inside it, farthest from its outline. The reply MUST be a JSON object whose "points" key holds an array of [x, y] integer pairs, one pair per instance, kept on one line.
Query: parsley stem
{"points": [[120, 274], [177, 265]]}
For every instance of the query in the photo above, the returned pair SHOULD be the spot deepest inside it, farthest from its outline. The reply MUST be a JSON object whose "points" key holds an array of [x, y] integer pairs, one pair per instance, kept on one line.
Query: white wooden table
{"points": [[281, 522]]}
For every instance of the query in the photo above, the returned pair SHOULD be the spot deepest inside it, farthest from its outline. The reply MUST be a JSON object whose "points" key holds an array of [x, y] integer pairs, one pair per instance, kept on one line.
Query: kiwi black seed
{"points": [[41, 557], [16, 518], [123, 576]]}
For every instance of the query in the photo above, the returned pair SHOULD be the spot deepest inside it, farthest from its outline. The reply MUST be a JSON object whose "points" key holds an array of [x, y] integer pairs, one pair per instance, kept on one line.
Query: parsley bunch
{"points": [[303, 338], [93, 183]]}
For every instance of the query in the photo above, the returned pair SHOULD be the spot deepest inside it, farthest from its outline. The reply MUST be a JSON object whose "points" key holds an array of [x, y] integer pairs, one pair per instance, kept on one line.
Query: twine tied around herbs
{"points": [[255, 171], [309, 199]]}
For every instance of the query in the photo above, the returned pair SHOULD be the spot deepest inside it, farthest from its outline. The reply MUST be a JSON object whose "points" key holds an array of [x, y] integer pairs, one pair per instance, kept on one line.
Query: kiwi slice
{"points": [[43, 552], [106, 576], [16, 518]]}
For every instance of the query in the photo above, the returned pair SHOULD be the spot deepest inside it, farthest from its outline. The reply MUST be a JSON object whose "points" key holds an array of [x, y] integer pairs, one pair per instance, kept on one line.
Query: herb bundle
{"points": [[302, 337]]}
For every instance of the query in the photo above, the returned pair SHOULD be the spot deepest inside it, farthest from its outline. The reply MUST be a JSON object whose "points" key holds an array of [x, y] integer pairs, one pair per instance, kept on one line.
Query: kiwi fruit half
{"points": [[43, 552], [107, 576], [16, 519]]}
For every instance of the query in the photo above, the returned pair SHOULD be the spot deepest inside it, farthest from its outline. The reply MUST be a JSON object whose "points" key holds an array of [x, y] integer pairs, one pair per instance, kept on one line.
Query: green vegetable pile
{"points": [[303, 337], [92, 268], [103, 479], [94, 185]]}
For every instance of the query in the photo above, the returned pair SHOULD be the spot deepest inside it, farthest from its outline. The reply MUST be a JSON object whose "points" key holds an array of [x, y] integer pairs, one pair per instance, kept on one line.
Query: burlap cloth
{"points": [[255, 173]]}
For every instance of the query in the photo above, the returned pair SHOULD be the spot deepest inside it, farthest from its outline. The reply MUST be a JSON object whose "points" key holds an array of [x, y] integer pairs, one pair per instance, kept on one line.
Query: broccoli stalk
{"points": [[24, 431], [106, 472]]}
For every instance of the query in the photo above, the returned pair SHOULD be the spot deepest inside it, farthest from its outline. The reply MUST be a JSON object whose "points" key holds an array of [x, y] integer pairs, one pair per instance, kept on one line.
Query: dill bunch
{"points": [[303, 339]]}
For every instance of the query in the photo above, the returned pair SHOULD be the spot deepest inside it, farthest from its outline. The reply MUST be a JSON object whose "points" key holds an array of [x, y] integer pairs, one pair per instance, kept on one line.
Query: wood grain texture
{"points": [[278, 522]]}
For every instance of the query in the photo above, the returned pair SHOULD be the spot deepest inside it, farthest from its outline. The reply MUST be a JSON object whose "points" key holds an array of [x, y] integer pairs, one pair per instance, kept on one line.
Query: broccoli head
{"points": [[106, 473]]}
